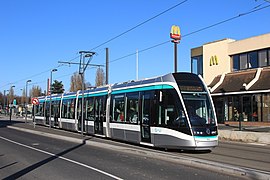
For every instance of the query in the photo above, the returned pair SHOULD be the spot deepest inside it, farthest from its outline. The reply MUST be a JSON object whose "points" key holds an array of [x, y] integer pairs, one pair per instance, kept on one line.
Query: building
{"points": [[238, 76]]}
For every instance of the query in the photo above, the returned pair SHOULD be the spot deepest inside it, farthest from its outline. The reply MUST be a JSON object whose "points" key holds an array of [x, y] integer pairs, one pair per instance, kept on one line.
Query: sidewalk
{"points": [[249, 134]]}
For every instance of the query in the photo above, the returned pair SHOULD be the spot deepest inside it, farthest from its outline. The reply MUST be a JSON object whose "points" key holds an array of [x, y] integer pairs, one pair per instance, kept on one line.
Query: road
{"points": [[25, 155]]}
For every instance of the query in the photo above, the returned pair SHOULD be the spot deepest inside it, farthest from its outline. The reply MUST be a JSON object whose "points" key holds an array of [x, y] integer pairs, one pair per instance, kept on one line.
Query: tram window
{"points": [[55, 109], [171, 112], [148, 105], [79, 109], [64, 109], [118, 108], [199, 109], [71, 108], [132, 107], [54, 106], [68, 109], [40, 110], [90, 109]]}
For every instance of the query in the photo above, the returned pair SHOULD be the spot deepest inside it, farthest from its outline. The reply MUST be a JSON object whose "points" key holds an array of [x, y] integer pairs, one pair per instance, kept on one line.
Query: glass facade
{"points": [[262, 55], [236, 63], [250, 108], [197, 65], [250, 60]]}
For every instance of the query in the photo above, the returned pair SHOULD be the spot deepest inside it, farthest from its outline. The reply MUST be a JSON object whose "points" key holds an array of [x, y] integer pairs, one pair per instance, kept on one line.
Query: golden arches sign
{"points": [[175, 32], [213, 60]]}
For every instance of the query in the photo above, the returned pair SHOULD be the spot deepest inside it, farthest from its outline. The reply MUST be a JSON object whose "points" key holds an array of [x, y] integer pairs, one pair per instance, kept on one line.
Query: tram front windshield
{"points": [[199, 109]]}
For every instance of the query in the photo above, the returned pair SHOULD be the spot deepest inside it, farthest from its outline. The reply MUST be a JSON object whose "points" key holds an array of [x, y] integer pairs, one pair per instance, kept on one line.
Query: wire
{"points": [[226, 20], [142, 23], [194, 32], [157, 45]]}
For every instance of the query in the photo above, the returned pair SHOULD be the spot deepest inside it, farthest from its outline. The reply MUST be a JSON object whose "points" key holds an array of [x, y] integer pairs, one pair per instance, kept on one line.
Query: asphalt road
{"points": [[29, 156]]}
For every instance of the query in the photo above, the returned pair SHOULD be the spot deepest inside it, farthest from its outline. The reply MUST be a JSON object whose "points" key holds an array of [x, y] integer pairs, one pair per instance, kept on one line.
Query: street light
{"points": [[82, 68], [10, 108], [5, 101], [26, 99], [11, 92], [53, 70]]}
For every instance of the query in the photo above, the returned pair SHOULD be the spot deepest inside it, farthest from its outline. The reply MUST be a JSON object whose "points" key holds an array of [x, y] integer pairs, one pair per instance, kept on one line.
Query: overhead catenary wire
{"points": [[115, 37], [140, 24], [257, 8], [194, 32]]}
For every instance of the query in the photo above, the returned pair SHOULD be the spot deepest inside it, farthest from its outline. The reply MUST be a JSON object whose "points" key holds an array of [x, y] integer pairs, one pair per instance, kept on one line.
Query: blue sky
{"points": [[35, 35]]}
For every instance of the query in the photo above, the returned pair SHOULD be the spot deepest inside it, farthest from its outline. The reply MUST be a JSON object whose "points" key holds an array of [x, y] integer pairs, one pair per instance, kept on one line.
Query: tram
{"points": [[174, 111]]}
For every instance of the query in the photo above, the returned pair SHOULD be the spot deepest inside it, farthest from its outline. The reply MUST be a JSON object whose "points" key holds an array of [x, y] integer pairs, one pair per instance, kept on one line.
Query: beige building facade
{"points": [[237, 73]]}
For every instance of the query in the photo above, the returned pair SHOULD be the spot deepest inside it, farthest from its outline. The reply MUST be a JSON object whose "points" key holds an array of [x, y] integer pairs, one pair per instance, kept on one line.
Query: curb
{"points": [[250, 137], [200, 163]]}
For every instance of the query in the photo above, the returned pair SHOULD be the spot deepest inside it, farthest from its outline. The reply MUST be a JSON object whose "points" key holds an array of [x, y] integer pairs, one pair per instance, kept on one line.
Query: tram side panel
{"points": [[68, 114], [124, 117], [39, 114]]}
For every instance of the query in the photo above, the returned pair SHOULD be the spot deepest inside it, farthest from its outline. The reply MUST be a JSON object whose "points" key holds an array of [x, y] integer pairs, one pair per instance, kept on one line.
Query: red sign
{"points": [[35, 101]]}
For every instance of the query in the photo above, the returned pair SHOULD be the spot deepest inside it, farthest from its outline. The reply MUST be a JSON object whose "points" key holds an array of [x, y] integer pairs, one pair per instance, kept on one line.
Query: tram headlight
{"points": [[197, 132]]}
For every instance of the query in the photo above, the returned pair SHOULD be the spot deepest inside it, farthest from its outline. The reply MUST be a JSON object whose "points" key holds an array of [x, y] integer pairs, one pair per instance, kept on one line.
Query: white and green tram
{"points": [[174, 111]]}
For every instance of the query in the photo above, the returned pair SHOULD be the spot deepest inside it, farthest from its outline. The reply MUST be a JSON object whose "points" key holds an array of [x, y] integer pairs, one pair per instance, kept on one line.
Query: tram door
{"points": [[99, 115], [145, 117], [79, 115]]}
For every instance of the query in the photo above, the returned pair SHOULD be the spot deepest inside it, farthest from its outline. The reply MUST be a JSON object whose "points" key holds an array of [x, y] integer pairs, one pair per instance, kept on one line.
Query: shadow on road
{"points": [[41, 163], [5, 123]]}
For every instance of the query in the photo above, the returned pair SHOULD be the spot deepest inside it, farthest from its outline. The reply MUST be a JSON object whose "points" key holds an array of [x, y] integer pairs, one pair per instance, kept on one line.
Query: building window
{"points": [[236, 64], [253, 59], [268, 56], [197, 65], [262, 55], [250, 60], [266, 107], [243, 61]]}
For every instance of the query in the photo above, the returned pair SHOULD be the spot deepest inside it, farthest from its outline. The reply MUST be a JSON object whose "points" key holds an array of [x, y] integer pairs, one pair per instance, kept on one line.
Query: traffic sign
{"points": [[35, 101]]}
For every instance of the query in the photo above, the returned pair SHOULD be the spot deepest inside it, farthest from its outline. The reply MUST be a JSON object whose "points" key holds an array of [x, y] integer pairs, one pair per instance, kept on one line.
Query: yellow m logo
{"points": [[175, 32], [213, 60]]}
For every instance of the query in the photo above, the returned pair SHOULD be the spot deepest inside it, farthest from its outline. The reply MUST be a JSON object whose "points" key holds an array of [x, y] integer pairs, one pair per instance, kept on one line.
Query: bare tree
{"points": [[23, 98], [75, 82], [1, 100], [100, 77], [35, 91], [11, 95]]}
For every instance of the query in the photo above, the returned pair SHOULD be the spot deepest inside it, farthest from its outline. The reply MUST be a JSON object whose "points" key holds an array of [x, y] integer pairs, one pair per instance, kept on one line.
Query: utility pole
{"points": [[137, 64], [5, 102], [107, 65], [11, 106], [26, 99], [50, 108]]}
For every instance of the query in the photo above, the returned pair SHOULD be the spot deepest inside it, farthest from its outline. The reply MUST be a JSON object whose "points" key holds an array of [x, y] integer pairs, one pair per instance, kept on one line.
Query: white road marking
{"points": [[63, 158], [257, 144]]}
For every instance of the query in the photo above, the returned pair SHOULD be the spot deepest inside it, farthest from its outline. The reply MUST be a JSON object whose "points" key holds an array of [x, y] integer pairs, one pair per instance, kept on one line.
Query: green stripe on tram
{"points": [[70, 97], [94, 94], [146, 88]]}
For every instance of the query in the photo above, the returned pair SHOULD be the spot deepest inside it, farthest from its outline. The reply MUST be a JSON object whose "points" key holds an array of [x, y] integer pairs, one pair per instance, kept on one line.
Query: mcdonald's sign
{"points": [[175, 33], [213, 60]]}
